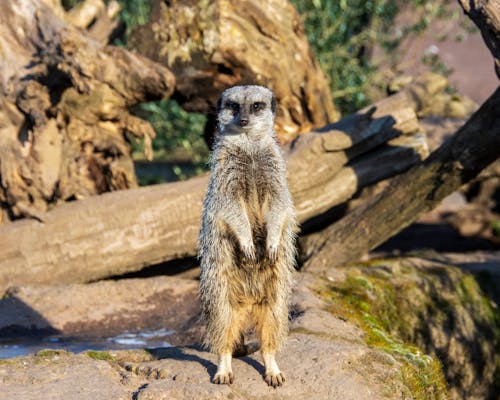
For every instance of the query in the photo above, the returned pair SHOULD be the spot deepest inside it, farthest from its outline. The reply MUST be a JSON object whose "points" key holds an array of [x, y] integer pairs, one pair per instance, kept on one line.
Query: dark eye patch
{"points": [[233, 106], [258, 105]]}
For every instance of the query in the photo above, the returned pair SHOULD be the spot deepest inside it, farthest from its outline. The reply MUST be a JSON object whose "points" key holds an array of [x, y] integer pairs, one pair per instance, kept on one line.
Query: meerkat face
{"points": [[246, 109]]}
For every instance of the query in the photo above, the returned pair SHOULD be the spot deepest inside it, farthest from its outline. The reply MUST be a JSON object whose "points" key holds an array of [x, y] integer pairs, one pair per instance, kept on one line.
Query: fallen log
{"points": [[124, 231], [460, 159], [457, 161]]}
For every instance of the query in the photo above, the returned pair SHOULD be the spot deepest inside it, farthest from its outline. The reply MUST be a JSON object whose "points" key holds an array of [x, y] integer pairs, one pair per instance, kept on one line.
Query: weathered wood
{"points": [[398, 155], [314, 158], [212, 47], [123, 231], [65, 121], [98, 19], [457, 161]]}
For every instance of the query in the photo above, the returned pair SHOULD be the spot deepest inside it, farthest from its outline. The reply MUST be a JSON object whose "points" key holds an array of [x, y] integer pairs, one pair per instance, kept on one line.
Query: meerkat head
{"points": [[246, 109]]}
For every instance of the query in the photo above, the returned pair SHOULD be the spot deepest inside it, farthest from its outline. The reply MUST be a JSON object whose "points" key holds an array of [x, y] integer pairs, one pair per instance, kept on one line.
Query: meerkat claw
{"points": [[272, 253], [223, 378], [275, 380], [249, 252]]}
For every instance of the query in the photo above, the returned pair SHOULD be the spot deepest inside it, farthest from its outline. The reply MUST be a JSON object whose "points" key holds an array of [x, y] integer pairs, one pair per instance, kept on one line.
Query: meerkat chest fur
{"points": [[250, 173]]}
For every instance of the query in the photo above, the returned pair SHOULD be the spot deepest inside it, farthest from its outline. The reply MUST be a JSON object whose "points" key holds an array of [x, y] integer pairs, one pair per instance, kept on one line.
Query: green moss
{"points": [[99, 355], [49, 356], [425, 381], [371, 301], [50, 353], [495, 227]]}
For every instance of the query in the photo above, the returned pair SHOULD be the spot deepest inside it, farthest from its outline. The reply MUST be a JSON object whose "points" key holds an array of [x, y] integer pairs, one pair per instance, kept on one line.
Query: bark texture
{"points": [[457, 161], [65, 125], [228, 42], [121, 232]]}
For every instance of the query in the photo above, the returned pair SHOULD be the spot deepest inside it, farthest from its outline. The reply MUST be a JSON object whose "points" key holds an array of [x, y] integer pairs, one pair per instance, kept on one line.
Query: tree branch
{"points": [[457, 161]]}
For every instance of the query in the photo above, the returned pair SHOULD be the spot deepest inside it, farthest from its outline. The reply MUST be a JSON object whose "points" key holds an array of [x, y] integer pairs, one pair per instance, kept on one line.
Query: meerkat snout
{"points": [[249, 107]]}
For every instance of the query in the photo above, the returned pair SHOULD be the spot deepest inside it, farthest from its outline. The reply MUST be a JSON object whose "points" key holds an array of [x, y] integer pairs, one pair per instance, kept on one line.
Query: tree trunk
{"points": [[457, 161], [65, 128], [210, 48], [124, 231]]}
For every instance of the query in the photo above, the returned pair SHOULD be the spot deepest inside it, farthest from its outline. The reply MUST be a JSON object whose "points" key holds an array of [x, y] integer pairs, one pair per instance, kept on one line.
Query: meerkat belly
{"points": [[253, 281], [252, 286]]}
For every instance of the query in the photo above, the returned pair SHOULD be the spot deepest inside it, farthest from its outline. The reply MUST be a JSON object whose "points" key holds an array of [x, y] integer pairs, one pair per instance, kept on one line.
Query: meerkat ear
{"points": [[273, 104], [219, 104]]}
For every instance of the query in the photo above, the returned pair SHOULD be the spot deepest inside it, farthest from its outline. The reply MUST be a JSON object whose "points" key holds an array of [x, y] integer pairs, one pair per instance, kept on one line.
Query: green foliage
{"points": [[342, 35], [495, 226], [179, 134], [133, 13]]}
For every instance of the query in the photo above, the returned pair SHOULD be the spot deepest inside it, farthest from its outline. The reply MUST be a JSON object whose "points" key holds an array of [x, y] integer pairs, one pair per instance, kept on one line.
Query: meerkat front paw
{"points": [[272, 249], [249, 250], [275, 380], [223, 378]]}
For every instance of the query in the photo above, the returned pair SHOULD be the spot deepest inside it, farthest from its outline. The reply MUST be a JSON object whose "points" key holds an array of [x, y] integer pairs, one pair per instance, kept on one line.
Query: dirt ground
{"points": [[455, 42]]}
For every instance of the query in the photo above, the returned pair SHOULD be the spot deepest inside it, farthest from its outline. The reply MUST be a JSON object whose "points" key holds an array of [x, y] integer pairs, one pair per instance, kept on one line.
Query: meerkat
{"points": [[247, 239]]}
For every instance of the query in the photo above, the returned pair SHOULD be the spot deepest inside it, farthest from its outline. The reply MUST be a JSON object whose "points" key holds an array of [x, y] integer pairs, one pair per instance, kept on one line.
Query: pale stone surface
{"points": [[326, 355], [324, 358], [62, 376]]}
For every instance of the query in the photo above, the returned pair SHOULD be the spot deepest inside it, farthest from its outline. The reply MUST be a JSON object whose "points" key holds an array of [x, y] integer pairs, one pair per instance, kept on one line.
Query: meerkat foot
{"points": [[275, 380], [273, 376], [223, 378], [224, 374]]}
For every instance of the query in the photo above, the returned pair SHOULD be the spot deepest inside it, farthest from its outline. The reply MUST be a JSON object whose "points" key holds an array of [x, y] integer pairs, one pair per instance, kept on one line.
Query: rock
{"points": [[104, 308], [326, 357], [387, 328], [315, 367], [59, 375], [435, 306]]}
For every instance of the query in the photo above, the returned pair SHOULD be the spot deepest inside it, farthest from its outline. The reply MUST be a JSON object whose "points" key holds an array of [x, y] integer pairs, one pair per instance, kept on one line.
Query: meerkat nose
{"points": [[243, 122]]}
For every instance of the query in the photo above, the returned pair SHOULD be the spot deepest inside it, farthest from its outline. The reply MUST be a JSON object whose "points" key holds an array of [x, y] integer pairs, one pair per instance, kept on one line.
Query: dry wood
{"points": [[210, 48], [100, 20], [65, 123], [123, 231], [420, 189]]}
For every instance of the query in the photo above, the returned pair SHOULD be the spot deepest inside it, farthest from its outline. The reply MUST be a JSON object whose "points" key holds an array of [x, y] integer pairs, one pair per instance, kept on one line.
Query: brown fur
{"points": [[247, 239]]}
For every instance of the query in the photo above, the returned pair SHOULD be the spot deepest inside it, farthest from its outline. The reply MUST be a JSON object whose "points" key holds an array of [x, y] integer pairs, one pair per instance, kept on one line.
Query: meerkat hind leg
{"points": [[269, 327], [232, 335]]}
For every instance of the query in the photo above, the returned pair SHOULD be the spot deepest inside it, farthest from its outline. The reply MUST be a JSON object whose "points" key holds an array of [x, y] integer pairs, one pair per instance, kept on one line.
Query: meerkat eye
{"points": [[258, 105], [235, 107]]}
